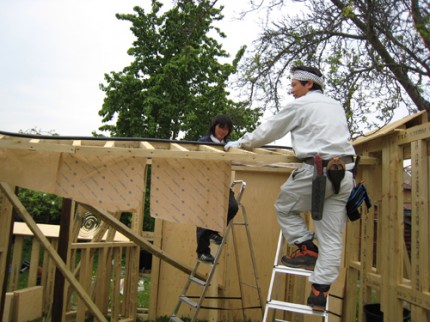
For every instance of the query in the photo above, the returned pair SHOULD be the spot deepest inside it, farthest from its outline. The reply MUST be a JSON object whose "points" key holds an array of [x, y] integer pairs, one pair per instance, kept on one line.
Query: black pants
{"points": [[203, 234]]}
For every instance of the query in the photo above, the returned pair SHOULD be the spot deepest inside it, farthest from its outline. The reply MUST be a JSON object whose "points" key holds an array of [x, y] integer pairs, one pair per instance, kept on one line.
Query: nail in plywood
{"points": [[28, 304], [191, 191]]}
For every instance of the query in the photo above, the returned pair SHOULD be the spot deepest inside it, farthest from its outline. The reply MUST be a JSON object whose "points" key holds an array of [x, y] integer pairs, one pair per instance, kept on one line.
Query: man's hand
{"points": [[231, 144]]}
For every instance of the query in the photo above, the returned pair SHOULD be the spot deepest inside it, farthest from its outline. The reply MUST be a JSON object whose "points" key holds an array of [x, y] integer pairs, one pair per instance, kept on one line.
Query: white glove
{"points": [[231, 144]]}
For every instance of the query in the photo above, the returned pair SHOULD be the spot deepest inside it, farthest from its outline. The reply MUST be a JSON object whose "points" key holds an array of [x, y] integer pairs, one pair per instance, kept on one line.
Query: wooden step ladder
{"points": [[186, 299], [275, 304]]}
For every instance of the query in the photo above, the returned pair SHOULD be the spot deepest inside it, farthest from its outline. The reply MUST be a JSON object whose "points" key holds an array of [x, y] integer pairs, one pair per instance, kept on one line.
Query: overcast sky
{"points": [[54, 55]]}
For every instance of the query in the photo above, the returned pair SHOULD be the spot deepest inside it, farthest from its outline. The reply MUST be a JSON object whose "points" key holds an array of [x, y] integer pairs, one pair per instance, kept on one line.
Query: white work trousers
{"points": [[294, 198]]}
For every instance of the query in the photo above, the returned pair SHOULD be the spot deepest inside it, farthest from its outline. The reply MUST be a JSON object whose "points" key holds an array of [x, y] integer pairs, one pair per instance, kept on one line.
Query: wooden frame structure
{"points": [[375, 258], [28, 161]]}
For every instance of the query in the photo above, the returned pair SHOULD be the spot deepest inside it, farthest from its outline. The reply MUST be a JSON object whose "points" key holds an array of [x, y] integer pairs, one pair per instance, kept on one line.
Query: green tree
{"points": [[177, 82], [374, 54], [45, 208]]}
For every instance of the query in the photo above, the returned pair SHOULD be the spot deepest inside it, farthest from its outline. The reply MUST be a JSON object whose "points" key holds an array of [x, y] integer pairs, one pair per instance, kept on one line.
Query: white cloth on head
{"points": [[303, 75]]}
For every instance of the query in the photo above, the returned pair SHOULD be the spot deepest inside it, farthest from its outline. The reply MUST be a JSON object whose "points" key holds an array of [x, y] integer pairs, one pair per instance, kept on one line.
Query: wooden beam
{"points": [[51, 251], [178, 147], [109, 144], [139, 240], [209, 148], [146, 145], [63, 248]]}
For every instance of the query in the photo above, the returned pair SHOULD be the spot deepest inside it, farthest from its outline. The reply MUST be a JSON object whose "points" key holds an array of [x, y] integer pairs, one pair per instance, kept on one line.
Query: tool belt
{"points": [[346, 159], [335, 169]]}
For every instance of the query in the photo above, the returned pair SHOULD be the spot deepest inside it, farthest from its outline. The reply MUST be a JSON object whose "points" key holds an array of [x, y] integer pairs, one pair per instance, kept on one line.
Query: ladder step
{"points": [[292, 270], [294, 307], [197, 281], [188, 301], [175, 319]]}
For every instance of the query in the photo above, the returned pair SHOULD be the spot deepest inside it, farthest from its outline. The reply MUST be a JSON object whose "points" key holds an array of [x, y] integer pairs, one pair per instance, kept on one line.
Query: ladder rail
{"points": [[251, 250], [272, 279], [197, 305], [253, 259], [211, 273], [288, 306]]}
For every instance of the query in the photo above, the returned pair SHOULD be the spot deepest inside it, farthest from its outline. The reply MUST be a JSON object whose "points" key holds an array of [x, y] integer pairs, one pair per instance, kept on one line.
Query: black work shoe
{"points": [[216, 238], [317, 300], [207, 258], [305, 257]]}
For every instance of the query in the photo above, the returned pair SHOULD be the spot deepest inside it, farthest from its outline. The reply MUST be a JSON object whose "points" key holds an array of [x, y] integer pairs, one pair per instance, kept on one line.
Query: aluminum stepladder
{"points": [[274, 304], [184, 298]]}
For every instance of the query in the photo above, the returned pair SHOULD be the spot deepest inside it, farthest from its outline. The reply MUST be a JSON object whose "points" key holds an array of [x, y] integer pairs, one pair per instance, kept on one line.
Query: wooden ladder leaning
{"points": [[277, 305], [185, 298]]}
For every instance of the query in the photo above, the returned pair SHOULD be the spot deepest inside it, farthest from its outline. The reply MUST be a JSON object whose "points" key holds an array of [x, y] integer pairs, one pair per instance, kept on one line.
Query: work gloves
{"points": [[231, 144]]}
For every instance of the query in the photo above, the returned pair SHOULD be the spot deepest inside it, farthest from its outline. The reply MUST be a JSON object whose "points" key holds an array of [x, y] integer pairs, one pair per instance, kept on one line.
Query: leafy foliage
{"points": [[45, 208], [176, 83], [374, 54]]}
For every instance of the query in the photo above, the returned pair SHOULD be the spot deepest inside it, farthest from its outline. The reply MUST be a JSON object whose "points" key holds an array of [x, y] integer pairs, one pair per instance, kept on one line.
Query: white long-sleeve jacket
{"points": [[317, 124]]}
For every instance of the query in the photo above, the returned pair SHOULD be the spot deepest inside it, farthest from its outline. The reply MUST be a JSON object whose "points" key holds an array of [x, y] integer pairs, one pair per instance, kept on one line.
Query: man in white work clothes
{"points": [[318, 126]]}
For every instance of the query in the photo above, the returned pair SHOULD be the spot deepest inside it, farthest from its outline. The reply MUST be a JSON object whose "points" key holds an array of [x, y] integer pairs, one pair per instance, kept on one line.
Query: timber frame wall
{"points": [[377, 266], [376, 253]]}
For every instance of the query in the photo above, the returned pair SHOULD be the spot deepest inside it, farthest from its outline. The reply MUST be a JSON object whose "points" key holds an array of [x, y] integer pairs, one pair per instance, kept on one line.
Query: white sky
{"points": [[54, 55]]}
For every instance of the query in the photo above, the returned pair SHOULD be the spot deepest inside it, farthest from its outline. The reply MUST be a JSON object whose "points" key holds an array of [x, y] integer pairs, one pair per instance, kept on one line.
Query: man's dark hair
{"points": [[224, 122], [312, 70]]}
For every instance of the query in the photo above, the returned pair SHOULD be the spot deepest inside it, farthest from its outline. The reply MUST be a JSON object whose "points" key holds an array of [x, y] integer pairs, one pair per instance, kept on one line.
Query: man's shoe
{"points": [[207, 258], [318, 298], [305, 257], [216, 238]]}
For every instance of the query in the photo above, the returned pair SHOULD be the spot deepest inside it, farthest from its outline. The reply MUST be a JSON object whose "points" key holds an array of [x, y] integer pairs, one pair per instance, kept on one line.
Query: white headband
{"points": [[302, 75]]}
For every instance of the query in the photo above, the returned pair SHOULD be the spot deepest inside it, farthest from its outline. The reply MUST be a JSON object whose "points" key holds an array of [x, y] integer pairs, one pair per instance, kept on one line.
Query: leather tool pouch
{"points": [[336, 172]]}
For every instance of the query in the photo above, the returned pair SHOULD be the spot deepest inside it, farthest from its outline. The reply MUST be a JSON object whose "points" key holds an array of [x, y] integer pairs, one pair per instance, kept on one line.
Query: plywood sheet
{"points": [[114, 182], [28, 304], [193, 192]]}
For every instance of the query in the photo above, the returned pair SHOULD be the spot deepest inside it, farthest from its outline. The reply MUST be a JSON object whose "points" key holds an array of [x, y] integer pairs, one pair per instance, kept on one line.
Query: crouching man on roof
{"points": [[318, 126]]}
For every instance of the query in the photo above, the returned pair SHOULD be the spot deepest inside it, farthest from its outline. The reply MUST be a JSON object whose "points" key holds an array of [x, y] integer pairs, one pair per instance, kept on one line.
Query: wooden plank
{"points": [[155, 270], [102, 280], [209, 148], [392, 266], [146, 150], [146, 145], [139, 240], [6, 222], [34, 263], [420, 209], [388, 129], [178, 147], [109, 144], [116, 298], [8, 307], [28, 304], [67, 209], [16, 263], [101, 245], [85, 274], [419, 132], [52, 253], [49, 231], [50, 277], [407, 293]]}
